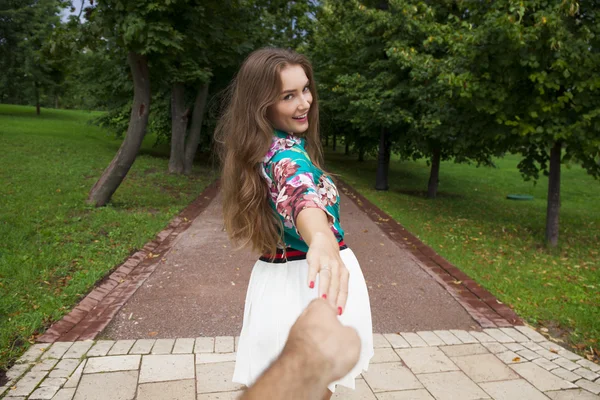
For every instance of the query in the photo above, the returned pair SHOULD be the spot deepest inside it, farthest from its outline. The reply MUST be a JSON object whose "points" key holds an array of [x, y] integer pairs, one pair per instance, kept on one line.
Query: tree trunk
{"points": [[193, 139], [179, 120], [138, 120], [434, 176], [361, 154], [327, 141], [553, 207], [37, 99], [56, 101], [334, 141], [383, 161], [347, 149]]}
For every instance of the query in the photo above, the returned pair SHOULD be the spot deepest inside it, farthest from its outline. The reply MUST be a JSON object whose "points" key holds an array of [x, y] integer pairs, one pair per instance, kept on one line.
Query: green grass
{"points": [[499, 242], [53, 246]]}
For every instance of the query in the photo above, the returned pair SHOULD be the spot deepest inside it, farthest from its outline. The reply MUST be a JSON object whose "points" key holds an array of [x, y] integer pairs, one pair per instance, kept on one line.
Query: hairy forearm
{"points": [[292, 376], [312, 221]]}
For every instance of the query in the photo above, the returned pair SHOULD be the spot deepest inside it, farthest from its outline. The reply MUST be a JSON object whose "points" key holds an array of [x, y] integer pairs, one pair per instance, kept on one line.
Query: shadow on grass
{"points": [[423, 194], [29, 112]]}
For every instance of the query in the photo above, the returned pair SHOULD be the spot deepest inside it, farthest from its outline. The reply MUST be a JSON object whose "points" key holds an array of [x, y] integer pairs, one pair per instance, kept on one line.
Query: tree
{"points": [[211, 41], [29, 71], [533, 65], [445, 123], [140, 28], [359, 95]]}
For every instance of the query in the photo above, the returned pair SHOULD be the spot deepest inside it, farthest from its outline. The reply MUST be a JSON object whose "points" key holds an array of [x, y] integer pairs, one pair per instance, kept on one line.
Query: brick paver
{"points": [[202, 368]]}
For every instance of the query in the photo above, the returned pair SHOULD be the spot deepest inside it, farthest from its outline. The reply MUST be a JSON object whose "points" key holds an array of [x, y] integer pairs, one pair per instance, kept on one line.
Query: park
{"points": [[463, 137]]}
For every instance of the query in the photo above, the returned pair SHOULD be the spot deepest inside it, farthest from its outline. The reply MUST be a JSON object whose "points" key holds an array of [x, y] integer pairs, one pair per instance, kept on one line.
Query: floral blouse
{"points": [[295, 183]]}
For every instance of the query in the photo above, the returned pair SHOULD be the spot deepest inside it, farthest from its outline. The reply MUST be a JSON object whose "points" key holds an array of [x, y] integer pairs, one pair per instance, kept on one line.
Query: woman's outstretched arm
{"points": [[324, 251]]}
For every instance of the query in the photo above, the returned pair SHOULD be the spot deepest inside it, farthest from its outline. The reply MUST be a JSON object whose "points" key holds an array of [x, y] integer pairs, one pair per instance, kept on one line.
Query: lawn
{"points": [[53, 246], [499, 242]]}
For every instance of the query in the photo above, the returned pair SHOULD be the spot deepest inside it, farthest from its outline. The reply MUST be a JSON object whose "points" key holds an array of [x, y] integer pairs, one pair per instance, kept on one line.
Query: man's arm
{"points": [[319, 351], [294, 375]]}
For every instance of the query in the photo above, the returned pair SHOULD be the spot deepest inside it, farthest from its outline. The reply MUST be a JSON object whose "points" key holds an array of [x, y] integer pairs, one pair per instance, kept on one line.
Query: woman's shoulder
{"points": [[285, 145]]}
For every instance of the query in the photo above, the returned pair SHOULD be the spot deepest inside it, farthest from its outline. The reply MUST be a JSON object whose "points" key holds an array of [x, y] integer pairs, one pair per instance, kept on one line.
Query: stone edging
{"points": [[481, 305], [97, 309]]}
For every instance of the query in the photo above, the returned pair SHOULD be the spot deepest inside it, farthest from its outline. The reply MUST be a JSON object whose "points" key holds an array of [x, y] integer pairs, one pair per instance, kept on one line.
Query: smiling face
{"points": [[289, 113]]}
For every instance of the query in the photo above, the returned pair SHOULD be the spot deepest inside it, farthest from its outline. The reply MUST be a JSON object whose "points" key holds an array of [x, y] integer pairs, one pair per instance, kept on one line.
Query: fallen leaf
{"points": [[554, 351], [516, 359], [152, 334], [457, 282]]}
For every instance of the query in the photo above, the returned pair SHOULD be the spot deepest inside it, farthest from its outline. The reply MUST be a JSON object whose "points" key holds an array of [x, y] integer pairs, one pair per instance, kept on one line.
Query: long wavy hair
{"points": [[244, 135]]}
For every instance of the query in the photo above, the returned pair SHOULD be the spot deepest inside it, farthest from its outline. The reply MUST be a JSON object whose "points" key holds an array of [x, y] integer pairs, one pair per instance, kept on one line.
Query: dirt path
{"points": [[199, 287]]}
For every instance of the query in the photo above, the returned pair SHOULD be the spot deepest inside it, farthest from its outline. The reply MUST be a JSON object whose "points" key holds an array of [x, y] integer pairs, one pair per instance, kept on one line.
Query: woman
{"points": [[278, 201]]}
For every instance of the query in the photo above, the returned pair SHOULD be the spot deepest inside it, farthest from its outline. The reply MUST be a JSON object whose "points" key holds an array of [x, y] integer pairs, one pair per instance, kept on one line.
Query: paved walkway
{"points": [[125, 339], [200, 287], [499, 364]]}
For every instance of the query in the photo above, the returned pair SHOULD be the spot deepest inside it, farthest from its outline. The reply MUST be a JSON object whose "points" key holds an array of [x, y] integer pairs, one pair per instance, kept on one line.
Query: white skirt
{"points": [[277, 295]]}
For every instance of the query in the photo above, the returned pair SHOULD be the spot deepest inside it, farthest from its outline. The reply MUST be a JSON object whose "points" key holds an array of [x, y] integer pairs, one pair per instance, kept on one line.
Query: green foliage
{"points": [[358, 95], [28, 73], [472, 78], [390, 67], [284, 23], [185, 43], [533, 66]]}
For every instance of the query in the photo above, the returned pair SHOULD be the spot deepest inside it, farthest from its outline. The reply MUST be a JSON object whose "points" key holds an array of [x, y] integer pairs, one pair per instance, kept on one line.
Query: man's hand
{"points": [[320, 339], [319, 350]]}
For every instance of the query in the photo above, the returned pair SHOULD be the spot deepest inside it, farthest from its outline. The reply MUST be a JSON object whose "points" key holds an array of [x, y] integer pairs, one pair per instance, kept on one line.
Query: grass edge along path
{"points": [[54, 247]]}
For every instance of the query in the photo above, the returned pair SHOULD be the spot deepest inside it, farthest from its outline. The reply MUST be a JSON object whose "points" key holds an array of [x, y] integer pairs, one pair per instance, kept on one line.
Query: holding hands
{"points": [[323, 258]]}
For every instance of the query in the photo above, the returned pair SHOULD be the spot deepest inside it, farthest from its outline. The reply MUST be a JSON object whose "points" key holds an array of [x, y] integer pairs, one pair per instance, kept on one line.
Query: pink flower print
{"points": [[284, 169], [287, 201], [302, 180], [277, 145], [327, 191]]}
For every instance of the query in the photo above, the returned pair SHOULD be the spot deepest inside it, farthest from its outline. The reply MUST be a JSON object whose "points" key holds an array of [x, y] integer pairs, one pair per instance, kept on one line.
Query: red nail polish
{"points": [[339, 310], [324, 295], [311, 285]]}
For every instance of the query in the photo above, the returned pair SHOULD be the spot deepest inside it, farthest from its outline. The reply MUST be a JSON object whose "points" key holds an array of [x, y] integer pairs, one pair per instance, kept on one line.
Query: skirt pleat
{"points": [[277, 295]]}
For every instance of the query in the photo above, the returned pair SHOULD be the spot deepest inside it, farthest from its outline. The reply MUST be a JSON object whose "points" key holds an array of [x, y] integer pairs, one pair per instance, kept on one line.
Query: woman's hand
{"points": [[323, 258]]}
